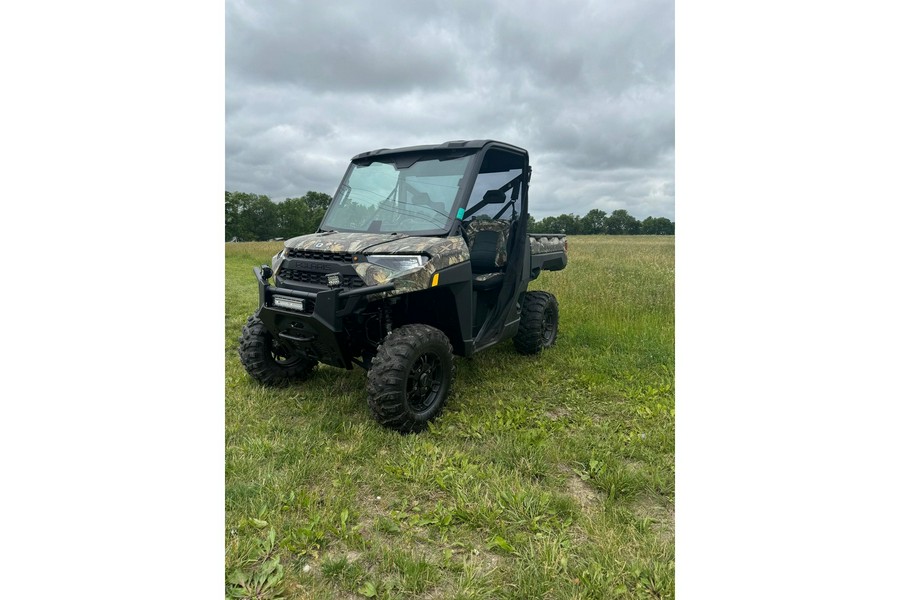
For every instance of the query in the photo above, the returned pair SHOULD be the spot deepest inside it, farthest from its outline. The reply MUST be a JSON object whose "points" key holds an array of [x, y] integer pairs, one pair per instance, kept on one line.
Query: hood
{"points": [[335, 241], [444, 252], [373, 243]]}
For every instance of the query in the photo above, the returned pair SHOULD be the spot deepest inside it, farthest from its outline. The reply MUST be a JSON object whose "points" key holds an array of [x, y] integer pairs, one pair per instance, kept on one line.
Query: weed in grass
{"points": [[259, 574], [531, 459], [414, 574], [343, 573], [541, 570], [386, 524], [368, 589], [306, 539], [614, 480], [475, 583]]}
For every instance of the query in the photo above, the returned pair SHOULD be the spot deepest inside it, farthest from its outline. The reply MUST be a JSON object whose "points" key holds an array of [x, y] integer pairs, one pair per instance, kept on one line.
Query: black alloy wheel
{"points": [[424, 382], [410, 377]]}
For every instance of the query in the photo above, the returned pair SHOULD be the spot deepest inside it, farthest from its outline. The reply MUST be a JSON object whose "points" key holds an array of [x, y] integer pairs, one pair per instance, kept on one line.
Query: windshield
{"points": [[381, 197]]}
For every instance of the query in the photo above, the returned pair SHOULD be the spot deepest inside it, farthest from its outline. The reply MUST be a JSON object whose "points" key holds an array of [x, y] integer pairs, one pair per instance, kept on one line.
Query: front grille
{"points": [[348, 281], [344, 257]]}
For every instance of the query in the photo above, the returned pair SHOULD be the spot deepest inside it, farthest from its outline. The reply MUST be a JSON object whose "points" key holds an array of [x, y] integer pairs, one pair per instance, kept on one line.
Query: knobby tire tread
{"points": [[386, 381], [529, 338], [259, 362]]}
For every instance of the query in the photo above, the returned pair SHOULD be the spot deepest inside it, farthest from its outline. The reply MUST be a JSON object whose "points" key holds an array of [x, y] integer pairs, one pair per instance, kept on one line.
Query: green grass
{"points": [[545, 477]]}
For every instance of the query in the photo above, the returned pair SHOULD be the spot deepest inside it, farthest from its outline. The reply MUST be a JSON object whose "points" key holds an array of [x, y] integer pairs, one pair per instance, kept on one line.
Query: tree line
{"points": [[253, 217], [596, 221]]}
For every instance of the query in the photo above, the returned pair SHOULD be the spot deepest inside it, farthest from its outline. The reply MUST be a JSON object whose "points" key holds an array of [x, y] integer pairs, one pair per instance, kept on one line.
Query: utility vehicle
{"points": [[423, 254]]}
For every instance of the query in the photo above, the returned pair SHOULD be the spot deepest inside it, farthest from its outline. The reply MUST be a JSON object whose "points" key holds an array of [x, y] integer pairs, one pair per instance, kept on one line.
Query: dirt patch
{"points": [[557, 412], [586, 496], [660, 512], [631, 465]]}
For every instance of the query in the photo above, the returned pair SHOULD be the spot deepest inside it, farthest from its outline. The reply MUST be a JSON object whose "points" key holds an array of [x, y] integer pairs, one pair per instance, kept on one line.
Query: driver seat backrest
{"points": [[487, 244]]}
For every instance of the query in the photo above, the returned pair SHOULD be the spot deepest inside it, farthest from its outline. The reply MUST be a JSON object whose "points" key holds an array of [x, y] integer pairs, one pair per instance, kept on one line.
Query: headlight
{"points": [[277, 260], [397, 262]]}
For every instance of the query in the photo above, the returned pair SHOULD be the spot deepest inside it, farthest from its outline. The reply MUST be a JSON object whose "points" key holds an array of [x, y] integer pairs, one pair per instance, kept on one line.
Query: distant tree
{"points": [[546, 225], [568, 224], [260, 218], [532, 224], [657, 226], [317, 201], [621, 223], [299, 216], [668, 227], [233, 207], [295, 218], [249, 216], [593, 222]]}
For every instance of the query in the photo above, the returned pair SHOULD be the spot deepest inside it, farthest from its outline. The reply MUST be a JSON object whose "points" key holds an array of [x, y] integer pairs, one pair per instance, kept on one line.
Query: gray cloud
{"points": [[586, 87]]}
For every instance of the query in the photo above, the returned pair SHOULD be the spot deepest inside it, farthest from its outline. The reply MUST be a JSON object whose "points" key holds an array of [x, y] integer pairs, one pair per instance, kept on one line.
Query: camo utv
{"points": [[424, 253]]}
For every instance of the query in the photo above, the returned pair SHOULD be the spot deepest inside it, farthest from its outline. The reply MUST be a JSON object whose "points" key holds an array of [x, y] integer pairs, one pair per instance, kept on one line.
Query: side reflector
{"points": [[434, 280]]}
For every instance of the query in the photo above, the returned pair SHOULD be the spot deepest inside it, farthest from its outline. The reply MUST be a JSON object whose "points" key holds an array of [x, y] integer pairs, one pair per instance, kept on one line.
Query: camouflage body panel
{"points": [[444, 252], [500, 226], [437, 247], [335, 241], [548, 243]]}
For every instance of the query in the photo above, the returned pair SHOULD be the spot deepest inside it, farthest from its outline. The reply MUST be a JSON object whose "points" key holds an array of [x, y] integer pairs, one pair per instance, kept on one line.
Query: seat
{"points": [[491, 248], [487, 252]]}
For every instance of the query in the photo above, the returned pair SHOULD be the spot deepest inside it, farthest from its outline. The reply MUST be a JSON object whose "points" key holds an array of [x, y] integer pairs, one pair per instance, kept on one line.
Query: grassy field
{"points": [[546, 477]]}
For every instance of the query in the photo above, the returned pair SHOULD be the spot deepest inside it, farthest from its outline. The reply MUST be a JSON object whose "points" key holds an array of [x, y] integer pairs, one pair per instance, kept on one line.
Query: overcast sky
{"points": [[586, 87]]}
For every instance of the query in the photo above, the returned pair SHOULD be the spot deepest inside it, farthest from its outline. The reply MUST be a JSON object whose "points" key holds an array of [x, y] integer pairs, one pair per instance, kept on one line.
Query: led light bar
{"points": [[288, 303]]}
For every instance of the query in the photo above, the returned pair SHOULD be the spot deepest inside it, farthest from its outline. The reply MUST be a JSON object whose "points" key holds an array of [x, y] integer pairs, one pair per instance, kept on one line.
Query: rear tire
{"points": [[267, 361], [539, 323], [410, 377]]}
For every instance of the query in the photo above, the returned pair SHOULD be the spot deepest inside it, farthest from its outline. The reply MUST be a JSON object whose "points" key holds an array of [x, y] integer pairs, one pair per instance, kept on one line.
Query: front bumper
{"points": [[318, 331]]}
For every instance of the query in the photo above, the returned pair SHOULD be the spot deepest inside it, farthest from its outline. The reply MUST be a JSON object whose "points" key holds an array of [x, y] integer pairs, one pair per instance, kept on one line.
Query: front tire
{"points": [[539, 323], [410, 377], [267, 361]]}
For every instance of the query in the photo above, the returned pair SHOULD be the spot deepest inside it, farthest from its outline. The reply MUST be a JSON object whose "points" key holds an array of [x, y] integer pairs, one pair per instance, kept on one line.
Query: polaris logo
{"points": [[305, 265]]}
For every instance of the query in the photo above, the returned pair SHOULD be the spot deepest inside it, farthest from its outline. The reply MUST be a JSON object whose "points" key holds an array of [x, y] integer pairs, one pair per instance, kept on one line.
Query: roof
{"points": [[446, 146]]}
